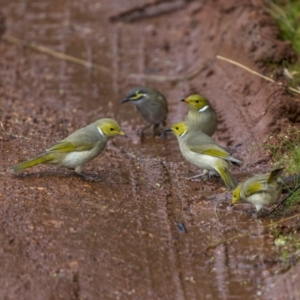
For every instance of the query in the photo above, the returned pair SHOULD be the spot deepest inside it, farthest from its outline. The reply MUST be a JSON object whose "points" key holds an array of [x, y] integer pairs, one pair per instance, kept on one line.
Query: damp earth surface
{"points": [[141, 230]]}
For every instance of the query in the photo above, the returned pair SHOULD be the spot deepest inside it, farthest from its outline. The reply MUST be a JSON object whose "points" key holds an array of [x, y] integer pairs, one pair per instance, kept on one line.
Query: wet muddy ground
{"points": [[66, 238]]}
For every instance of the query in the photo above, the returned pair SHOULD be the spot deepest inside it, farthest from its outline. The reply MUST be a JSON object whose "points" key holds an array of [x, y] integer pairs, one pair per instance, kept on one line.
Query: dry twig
{"points": [[254, 72], [56, 54]]}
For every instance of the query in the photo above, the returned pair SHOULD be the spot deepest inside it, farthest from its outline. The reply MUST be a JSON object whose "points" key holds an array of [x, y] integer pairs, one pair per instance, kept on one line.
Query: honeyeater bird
{"points": [[201, 114], [202, 151], [151, 104], [260, 190], [78, 148]]}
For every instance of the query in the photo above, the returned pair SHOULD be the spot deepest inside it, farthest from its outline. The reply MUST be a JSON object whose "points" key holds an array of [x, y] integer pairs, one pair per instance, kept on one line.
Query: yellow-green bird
{"points": [[260, 190], [151, 104], [202, 151], [78, 148], [201, 114]]}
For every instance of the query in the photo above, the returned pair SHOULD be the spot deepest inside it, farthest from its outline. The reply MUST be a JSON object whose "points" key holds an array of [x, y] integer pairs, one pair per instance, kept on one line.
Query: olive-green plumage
{"points": [[150, 103], [203, 152], [260, 190], [201, 114], [78, 148]]}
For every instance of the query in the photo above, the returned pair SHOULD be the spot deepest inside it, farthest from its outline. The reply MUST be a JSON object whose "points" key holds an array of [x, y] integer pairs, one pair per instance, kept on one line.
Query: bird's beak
{"points": [[125, 100], [184, 100], [123, 133], [233, 201], [168, 130]]}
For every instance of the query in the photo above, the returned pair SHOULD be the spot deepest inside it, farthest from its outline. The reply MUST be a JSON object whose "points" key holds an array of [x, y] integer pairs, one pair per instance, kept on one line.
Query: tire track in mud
{"points": [[194, 261], [167, 215], [134, 183]]}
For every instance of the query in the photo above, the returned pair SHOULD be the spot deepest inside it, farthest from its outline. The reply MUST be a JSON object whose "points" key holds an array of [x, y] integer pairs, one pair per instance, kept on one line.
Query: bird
{"points": [[151, 104], [202, 151], [260, 190], [201, 114], [77, 149]]}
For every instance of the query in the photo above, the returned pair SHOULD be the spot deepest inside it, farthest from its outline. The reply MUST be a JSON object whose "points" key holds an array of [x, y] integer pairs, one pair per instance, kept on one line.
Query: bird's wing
{"points": [[68, 146], [254, 187], [216, 151], [259, 184], [212, 150]]}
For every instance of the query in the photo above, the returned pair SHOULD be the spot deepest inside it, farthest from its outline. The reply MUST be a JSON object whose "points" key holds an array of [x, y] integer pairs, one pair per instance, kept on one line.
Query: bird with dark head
{"points": [[151, 104]]}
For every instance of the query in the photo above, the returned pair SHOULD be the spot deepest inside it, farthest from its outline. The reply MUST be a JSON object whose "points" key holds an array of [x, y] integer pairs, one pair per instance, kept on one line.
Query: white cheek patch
{"points": [[183, 134], [203, 108], [100, 131]]}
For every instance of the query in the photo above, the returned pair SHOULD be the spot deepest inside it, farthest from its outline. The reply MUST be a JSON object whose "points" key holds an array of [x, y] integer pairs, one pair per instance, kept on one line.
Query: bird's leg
{"points": [[141, 132], [196, 176], [156, 130], [162, 132], [205, 174], [257, 214], [264, 212]]}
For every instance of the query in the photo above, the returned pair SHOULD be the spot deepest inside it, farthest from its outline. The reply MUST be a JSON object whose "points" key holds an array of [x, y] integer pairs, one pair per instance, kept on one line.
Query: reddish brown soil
{"points": [[63, 237]]}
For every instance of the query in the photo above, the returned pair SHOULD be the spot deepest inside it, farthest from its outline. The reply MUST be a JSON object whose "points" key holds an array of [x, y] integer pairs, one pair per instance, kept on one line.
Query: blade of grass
{"points": [[254, 72]]}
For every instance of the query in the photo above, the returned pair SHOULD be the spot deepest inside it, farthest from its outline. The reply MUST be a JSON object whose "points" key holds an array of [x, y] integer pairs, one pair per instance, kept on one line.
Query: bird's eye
{"points": [[197, 101], [111, 129], [176, 128]]}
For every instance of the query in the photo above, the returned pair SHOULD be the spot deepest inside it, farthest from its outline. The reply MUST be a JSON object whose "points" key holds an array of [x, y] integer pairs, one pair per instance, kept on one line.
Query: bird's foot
{"points": [[264, 212], [140, 133], [158, 130], [260, 214], [162, 134], [87, 177]]}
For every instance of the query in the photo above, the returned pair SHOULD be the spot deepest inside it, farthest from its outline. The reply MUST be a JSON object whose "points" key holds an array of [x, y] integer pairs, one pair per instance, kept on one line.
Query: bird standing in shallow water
{"points": [[201, 114], [202, 151], [151, 104], [78, 148], [260, 190]]}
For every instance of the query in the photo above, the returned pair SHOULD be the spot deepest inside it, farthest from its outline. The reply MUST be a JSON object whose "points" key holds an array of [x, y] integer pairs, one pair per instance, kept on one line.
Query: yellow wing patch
{"points": [[216, 152], [253, 188], [66, 147]]}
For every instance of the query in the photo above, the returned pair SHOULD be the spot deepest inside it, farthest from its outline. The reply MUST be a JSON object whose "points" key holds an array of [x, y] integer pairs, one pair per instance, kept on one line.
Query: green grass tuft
{"points": [[287, 16], [285, 152]]}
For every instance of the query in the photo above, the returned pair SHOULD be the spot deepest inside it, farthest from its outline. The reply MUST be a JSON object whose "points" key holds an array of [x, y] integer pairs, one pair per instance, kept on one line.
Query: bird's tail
{"points": [[274, 175], [30, 163], [227, 177]]}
